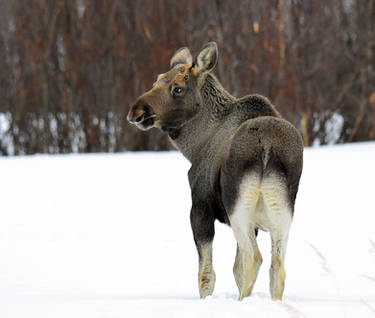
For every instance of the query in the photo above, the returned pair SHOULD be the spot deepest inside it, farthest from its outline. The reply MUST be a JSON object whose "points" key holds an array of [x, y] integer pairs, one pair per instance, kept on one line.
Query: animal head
{"points": [[175, 96]]}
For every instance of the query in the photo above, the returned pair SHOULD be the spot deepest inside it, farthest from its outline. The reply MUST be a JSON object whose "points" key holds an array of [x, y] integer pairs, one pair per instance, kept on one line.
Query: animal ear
{"points": [[182, 56], [206, 59]]}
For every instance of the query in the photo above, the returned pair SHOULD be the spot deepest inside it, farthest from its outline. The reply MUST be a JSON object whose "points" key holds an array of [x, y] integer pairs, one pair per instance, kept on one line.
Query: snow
{"points": [[109, 236], [5, 140]]}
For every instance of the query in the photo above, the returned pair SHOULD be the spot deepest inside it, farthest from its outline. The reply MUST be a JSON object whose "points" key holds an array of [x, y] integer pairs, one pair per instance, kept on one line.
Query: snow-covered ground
{"points": [[109, 236]]}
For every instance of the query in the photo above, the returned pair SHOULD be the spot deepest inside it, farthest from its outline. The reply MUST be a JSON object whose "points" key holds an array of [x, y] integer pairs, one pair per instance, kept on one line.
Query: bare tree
{"points": [[70, 69]]}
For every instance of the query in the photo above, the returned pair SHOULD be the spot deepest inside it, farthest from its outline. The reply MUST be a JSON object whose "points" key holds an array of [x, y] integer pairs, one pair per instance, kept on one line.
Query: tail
{"points": [[265, 155]]}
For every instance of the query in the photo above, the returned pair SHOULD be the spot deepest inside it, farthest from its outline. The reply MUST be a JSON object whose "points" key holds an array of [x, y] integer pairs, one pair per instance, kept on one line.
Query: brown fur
{"points": [[225, 139]]}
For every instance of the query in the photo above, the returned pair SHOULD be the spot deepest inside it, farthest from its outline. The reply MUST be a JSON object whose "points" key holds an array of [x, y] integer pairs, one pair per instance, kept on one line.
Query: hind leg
{"points": [[277, 270], [248, 258], [279, 214], [245, 270]]}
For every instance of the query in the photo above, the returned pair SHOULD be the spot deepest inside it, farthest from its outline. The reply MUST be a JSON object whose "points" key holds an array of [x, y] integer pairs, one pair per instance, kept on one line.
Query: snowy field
{"points": [[109, 236]]}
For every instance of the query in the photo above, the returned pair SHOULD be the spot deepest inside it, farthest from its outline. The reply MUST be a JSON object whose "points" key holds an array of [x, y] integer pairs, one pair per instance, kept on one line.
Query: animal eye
{"points": [[177, 90]]}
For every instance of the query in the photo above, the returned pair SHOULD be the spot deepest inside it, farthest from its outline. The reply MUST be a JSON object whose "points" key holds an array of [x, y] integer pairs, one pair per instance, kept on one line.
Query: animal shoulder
{"points": [[252, 106]]}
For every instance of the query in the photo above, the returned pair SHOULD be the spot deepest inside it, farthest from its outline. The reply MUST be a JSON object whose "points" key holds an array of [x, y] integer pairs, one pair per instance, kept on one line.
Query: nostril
{"points": [[139, 118], [139, 112]]}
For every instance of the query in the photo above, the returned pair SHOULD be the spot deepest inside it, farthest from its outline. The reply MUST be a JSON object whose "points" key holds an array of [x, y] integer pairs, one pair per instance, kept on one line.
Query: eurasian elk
{"points": [[246, 163]]}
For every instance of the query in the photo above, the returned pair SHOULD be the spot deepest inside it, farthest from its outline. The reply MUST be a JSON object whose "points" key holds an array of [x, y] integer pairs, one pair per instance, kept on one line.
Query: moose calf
{"points": [[246, 163]]}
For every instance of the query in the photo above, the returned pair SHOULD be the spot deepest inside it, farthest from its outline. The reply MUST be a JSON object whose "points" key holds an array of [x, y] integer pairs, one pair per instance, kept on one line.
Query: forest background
{"points": [[70, 69]]}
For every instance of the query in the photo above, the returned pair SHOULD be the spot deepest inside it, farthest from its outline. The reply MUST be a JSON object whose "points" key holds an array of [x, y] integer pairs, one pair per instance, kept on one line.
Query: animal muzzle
{"points": [[142, 115]]}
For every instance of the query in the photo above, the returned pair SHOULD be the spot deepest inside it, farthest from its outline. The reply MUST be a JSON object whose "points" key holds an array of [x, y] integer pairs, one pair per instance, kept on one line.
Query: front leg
{"points": [[206, 274], [202, 223]]}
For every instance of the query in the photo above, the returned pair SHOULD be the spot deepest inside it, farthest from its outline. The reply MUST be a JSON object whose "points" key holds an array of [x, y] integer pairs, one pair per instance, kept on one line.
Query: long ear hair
{"points": [[181, 56], [206, 59]]}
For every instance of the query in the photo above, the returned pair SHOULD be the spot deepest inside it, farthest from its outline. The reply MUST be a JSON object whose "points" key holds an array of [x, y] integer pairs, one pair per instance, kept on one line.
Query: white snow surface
{"points": [[109, 236]]}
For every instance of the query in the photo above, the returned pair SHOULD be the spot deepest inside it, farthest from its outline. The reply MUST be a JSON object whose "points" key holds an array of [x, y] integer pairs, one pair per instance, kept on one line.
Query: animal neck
{"points": [[215, 98], [215, 105]]}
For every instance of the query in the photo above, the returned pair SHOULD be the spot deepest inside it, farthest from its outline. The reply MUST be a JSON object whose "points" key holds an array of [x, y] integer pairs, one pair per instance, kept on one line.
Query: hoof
{"points": [[206, 283]]}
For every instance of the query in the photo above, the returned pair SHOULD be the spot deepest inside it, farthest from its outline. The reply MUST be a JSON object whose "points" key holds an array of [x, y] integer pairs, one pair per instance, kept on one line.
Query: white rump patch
{"points": [[261, 204]]}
